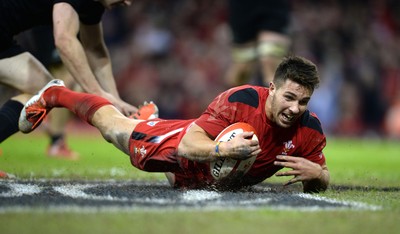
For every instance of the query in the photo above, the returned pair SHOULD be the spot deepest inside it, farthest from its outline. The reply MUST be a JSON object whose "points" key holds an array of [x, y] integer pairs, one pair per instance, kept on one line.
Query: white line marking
{"points": [[76, 191], [350, 204], [18, 190], [200, 195], [187, 200]]}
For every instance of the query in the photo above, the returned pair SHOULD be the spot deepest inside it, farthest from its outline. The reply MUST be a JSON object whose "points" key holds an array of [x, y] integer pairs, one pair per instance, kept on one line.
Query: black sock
{"points": [[9, 116], [55, 138]]}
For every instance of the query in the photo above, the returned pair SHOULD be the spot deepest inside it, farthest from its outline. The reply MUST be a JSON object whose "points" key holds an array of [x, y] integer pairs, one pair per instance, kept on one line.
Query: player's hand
{"points": [[241, 146], [302, 169], [125, 108]]}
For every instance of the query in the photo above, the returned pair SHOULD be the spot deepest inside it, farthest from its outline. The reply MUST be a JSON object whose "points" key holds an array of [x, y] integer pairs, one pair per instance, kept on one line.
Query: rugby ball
{"points": [[227, 167]]}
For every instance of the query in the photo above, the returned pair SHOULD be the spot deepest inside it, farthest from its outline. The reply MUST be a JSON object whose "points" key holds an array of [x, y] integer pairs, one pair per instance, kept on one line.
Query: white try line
{"points": [[109, 195]]}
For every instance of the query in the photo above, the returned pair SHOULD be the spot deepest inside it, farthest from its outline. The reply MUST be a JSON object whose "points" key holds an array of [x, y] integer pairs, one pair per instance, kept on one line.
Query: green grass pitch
{"points": [[370, 166]]}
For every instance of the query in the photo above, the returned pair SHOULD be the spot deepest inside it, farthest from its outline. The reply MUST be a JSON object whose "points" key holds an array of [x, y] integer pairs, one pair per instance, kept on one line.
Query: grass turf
{"points": [[368, 166]]}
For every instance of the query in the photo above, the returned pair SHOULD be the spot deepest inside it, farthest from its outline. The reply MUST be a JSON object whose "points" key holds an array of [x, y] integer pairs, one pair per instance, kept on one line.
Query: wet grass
{"points": [[362, 170]]}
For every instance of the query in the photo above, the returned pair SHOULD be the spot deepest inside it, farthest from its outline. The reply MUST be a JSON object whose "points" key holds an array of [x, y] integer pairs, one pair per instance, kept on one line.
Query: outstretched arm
{"points": [[98, 57], [88, 63], [66, 28], [91, 37], [197, 145], [315, 178]]}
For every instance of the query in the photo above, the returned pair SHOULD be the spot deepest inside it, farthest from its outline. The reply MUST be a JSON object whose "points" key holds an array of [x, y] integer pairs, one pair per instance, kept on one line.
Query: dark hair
{"points": [[299, 70]]}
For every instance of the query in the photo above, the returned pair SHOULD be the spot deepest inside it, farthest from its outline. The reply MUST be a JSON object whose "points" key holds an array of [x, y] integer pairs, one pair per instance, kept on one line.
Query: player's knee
{"points": [[106, 135], [272, 49], [118, 138], [246, 54]]}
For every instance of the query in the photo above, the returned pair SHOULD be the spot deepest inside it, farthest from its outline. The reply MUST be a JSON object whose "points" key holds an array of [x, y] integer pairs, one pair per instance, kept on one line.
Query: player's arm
{"points": [[318, 184], [88, 62], [197, 145], [98, 57], [66, 28], [315, 177]]}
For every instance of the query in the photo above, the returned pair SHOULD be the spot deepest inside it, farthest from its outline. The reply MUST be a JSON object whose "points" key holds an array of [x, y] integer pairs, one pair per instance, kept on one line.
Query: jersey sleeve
{"points": [[316, 150], [90, 12], [229, 107], [217, 116], [315, 140]]}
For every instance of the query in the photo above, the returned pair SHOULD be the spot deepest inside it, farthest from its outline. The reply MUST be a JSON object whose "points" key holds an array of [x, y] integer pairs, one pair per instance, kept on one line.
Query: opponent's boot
{"points": [[60, 150]]}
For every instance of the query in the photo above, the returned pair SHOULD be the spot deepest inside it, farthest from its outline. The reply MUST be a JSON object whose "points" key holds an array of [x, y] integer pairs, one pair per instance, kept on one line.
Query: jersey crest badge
{"points": [[288, 145]]}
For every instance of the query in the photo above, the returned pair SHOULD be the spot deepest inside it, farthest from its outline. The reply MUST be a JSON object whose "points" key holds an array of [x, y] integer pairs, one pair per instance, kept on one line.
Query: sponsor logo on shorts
{"points": [[152, 123]]}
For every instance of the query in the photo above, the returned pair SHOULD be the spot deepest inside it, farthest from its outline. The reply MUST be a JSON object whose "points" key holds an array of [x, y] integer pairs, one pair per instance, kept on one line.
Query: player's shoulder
{"points": [[90, 12], [310, 120], [246, 94]]}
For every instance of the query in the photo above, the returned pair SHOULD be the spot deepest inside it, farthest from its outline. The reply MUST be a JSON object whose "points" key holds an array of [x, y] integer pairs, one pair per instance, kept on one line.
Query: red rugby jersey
{"points": [[247, 104]]}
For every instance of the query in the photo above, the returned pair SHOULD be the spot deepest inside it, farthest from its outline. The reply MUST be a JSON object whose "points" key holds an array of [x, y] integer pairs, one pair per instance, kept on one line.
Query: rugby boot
{"points": [[3, 175], [60, 150], [147, 111], [35, 110]]}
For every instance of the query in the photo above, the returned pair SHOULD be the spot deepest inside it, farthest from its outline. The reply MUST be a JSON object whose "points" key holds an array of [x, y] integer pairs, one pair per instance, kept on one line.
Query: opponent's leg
{"points": [[271, 49], [9, 114], [58, 119], [26, 74], [244, 62]]}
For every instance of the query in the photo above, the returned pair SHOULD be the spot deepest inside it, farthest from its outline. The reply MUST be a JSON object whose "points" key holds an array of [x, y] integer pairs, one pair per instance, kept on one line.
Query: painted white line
{"points": [[350, 204], [200, 195], [18, 190], [77, 191], [157, 199]]}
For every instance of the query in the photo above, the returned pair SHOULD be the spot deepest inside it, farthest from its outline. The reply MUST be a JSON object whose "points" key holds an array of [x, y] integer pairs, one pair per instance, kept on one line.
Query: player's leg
{"points": [[271, 49], [8, 111], [243, 64], [272, 37], [39, 42], [25, 73], [114, 126], [244, 39], [95, 110], [9, 114], [58, 119], [259, 34]]}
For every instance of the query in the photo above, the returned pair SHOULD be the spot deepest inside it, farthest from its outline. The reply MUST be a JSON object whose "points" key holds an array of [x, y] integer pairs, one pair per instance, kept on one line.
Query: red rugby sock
{"points": [[84, 105]]}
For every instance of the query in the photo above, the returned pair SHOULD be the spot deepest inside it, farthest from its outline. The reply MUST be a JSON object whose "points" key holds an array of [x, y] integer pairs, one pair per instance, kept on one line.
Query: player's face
{"points": [[287, 103]]}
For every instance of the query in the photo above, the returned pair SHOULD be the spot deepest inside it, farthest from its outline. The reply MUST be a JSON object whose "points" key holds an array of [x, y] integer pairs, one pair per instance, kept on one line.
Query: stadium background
{"points": [[176, 53]]}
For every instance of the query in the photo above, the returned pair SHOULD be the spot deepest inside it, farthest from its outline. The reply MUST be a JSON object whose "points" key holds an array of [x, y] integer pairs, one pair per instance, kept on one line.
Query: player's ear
{"points": [[272, 87]]}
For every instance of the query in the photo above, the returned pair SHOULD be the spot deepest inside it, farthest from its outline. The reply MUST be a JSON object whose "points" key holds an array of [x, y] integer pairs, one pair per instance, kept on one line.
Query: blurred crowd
{"points": [[176, 53], [172, 52], [356, 47]]}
